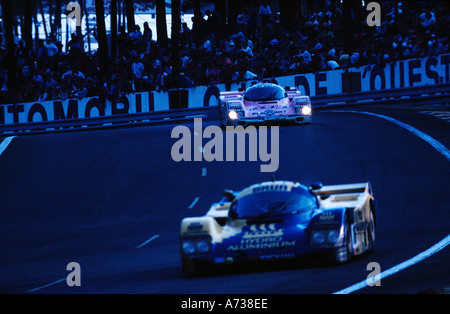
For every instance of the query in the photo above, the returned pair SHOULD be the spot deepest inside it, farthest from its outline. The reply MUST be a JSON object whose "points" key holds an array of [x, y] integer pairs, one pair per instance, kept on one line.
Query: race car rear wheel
{"points": [[371, 232]]}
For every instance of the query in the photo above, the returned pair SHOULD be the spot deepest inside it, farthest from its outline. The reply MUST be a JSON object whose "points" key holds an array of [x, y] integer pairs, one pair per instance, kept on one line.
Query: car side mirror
{"points": [[316, 186], [228, 194]]}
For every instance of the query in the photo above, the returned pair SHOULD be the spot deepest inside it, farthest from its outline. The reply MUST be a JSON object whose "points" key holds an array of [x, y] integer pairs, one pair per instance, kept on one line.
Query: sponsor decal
{"points": [[277, 256], [262, 237], [326, 217], [263, 243], [263, 231], [269, 112], [267, 107], [195, 227]]}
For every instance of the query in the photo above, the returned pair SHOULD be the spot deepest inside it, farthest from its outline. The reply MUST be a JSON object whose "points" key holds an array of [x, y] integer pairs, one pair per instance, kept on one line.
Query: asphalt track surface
{"points": [[112, 201]]}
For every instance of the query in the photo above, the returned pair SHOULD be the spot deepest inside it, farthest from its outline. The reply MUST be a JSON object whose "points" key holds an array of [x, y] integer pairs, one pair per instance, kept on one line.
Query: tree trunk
{"points": [[41, 9], [222, 9], [57, 24], [114, 17], [88, 31], [161, 24], [289, 10], [197, 27], [27, 24], [348, 23], [129, 6], [101, 37], [10, 52], [175, 42]]}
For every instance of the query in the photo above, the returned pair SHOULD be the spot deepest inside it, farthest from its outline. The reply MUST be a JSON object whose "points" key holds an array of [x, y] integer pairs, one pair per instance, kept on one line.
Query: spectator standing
{"points": [[22, 54], [52, 49], [147, 37], [265, 12], [41, 53], [75, 48], [137, 68], [242, 20], [122, 40]]}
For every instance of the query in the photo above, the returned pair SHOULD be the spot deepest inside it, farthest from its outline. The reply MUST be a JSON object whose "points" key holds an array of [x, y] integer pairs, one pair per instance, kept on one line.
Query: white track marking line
{"points": [[420, 257], [148, 241], [61, 280], [48, 285], [437, 145], [435, 248], [194, 202], [4, 144]]}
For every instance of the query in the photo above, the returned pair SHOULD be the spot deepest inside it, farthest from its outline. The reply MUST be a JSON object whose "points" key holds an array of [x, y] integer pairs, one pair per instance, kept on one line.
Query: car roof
{"points": [[269, 186], [260, 85]]}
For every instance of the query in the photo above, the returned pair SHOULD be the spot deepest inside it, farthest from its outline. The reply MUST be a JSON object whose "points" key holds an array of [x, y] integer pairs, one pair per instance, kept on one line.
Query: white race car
{"points": [[264, 103]]}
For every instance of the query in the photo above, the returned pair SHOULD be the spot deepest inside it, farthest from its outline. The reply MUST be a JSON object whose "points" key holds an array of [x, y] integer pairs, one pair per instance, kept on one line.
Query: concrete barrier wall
{"points": [[400, 74]]}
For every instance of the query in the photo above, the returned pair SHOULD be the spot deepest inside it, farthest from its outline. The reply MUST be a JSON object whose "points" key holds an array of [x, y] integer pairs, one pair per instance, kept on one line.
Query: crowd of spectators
{"points": [[257, 47]]}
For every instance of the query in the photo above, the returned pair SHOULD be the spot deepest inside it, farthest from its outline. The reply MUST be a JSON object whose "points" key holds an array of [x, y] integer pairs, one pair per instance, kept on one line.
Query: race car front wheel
{"points": [[223, 118], [196, 267], [343, 254]]}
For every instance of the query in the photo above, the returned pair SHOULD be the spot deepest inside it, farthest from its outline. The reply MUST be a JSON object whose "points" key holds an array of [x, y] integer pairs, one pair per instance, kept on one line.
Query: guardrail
{"points": [[115, 121], [424, 95]]}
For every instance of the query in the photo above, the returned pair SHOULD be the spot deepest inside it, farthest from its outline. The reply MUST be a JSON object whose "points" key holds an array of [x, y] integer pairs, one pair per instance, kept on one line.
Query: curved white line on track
{"points": [[420, 257], [437, 145], [435, 248], [48, 285], [4, 144]]}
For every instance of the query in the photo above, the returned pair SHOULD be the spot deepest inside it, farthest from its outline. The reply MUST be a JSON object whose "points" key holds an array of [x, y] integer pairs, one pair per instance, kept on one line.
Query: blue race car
{"points": [[281, 220]]}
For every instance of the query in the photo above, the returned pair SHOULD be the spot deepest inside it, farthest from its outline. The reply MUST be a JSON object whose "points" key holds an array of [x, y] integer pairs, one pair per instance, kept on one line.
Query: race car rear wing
{"points": [[344, 189], [292, 92], [231, 96], [355, 195]]}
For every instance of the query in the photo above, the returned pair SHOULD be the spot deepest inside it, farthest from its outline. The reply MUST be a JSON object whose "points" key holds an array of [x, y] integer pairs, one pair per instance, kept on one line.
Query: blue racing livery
{"points": [[281, 220]]}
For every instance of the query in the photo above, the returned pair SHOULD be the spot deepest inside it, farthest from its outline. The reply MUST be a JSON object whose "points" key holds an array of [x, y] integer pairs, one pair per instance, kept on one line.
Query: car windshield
{"points": [[263, 92], [273, 203]]}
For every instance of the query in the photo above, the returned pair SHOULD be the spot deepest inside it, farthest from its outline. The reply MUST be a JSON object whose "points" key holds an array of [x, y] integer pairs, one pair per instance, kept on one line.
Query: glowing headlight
{"points": [[333, 236], [318, 237], [232, 115], [202, 246], [188, 247], [306, 110]]}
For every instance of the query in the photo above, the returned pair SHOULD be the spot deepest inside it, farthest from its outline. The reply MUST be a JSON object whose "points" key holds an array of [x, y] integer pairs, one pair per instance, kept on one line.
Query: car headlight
{"points": [[196, 246], [232, 115], [188, 247], [326, 237], [333, 236], [306, 110], [203, 246], [318, 237]]}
